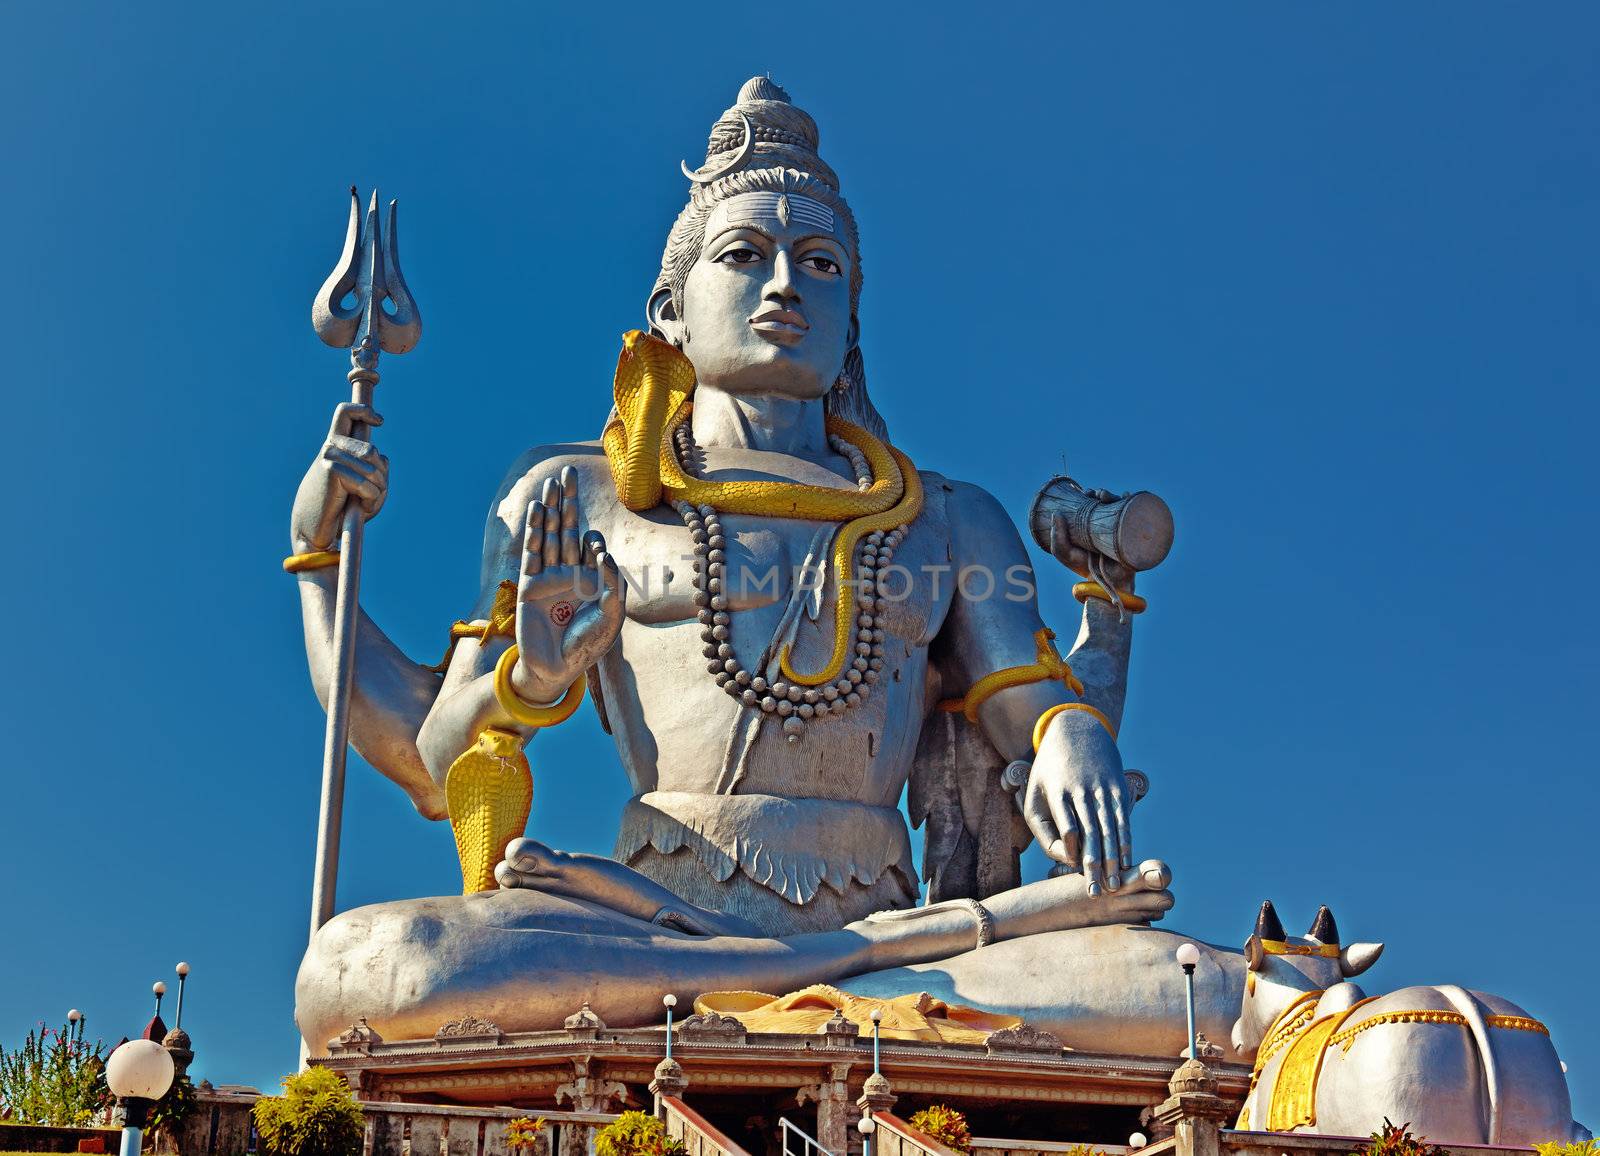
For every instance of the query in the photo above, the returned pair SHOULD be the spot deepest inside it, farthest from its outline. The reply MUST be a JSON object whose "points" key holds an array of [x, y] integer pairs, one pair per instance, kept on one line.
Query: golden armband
{"points": [[311, 560], [1050, 666]]}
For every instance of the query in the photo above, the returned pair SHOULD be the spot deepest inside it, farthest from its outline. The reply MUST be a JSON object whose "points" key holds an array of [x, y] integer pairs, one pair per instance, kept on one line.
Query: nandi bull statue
{"points": [[1461, 1066]]}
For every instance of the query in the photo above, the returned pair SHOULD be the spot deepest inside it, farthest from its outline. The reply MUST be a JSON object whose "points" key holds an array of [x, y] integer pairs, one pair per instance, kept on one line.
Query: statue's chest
{"points": [[774, 568]]}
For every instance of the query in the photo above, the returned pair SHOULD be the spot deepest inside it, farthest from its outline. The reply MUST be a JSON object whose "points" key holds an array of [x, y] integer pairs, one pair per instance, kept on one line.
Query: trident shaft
{"points": [[348, 313]]}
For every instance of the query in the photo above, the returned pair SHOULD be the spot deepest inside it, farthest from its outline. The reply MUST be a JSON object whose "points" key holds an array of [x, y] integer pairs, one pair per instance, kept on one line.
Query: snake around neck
{"points": [[649, 446]]}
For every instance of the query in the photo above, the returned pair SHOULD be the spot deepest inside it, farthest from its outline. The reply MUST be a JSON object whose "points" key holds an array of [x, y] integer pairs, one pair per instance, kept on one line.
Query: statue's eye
{"points": [[822, 263], [739, 255]]}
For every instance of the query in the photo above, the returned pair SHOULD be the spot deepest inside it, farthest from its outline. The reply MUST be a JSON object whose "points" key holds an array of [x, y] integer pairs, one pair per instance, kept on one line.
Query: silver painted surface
{"points": [[1454, 1083], [747, 861], [524, 959]]}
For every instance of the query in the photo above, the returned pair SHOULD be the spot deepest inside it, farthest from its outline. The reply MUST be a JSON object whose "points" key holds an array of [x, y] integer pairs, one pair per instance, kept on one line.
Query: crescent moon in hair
{"points": [[747, 147]]}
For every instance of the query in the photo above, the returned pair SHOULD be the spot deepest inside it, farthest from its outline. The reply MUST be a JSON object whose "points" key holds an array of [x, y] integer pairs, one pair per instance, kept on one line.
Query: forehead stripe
{"points": [[802, 209]]}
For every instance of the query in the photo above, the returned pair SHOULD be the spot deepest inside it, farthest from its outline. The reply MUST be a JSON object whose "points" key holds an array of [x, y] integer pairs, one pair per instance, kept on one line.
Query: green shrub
{"points": [[315, 1116], [636, 1134], [945, 1125], [53, 1078], [1396, 1140]]}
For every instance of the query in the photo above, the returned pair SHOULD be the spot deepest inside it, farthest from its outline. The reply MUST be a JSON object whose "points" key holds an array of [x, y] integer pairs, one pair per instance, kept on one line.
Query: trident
{"points": [[368, 273]]}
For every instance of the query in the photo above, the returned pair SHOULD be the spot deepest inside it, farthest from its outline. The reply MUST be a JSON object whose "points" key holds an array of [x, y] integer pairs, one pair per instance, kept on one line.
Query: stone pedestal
{"points": [[876, 1095], [669, 1081], [1194, 1111]]}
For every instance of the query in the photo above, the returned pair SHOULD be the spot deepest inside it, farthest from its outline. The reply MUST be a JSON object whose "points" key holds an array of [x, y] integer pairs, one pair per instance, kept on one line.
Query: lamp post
{"points": [[877, 1020], [75, 1025], [138, 1074], [183, 978], [669, 1001], [160, 989], [1136, 1141], [1187, 956], [866, 1126]]}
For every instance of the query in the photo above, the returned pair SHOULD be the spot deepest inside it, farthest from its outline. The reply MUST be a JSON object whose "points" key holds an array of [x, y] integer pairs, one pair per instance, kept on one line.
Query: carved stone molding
{"points": [[711, 1027], [587, 1092], [358, 1037], [583, 1024], [1023, 1038], [468, 1027], [839, 1031]]}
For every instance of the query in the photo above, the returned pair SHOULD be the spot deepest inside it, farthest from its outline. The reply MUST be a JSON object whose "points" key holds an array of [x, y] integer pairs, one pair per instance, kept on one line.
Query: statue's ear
{"points": [[1255, 956], [663, 313], [854, 337]]}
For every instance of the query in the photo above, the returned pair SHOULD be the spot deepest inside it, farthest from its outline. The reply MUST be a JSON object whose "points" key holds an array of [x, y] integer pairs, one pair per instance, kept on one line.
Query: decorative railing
{"points": [[894, 1137], [220, 1126], [700, 1137]]}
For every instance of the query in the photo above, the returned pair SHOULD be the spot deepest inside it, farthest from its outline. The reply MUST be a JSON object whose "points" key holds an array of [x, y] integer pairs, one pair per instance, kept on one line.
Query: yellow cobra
{"points": [[844, 609], [489, 792], [653, 385]]}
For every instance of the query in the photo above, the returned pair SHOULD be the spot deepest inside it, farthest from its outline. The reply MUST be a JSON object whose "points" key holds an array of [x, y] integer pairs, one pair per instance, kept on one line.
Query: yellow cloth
{"points": [[918, 1016], [1294, 1090]]}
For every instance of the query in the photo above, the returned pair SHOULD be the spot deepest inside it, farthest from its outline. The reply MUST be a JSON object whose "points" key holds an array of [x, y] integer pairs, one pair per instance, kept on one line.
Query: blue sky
{"points": [[1324, 277]]}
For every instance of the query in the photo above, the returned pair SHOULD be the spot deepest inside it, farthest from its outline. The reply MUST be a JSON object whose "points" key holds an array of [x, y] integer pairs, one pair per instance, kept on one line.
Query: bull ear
{"points": [[1255, 956], [1356, 958], [1323, 929], [1268, 925]]}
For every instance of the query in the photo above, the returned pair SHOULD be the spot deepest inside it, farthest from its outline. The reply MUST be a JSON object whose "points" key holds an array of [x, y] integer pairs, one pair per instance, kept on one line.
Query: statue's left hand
{"points": [[570, 597], [1078, 800]]}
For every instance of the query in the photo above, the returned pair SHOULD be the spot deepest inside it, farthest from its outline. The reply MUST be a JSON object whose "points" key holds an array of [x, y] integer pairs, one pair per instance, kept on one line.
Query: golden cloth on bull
{"points": [[918, 1016], [1294, 1091]]}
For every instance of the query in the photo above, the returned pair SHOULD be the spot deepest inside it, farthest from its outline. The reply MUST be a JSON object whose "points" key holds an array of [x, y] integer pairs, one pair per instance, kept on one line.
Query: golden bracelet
{"points": [[1131, 602], [313, 560], [1050, 666], [1044, 720], [525, 712]]}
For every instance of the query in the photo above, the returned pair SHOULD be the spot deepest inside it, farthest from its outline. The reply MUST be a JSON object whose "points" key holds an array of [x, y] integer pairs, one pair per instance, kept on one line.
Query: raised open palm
{"points": [[570, 595]]}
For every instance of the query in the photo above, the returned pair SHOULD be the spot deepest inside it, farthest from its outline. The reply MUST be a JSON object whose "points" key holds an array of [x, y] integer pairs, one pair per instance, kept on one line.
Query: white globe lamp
{"points": [[138, 1074]]}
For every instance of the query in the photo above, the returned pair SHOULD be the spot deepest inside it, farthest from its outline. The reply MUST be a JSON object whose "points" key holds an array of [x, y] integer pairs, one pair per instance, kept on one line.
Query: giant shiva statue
{"points": [[783, 622], [786, 625]]}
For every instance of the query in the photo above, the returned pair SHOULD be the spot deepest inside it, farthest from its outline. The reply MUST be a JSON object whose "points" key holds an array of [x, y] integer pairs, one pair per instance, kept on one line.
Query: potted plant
{"points": [[945, 1125], [636, 1134], [522, 1134]]}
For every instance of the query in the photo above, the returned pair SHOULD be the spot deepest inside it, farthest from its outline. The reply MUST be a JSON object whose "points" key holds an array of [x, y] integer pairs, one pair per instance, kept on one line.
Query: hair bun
{"points": [[785, 137], [762, 88]]}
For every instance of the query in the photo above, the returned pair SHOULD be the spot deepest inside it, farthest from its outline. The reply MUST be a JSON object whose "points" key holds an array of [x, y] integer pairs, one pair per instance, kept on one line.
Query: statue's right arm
{"points": [[391, 695], [532, 538]]}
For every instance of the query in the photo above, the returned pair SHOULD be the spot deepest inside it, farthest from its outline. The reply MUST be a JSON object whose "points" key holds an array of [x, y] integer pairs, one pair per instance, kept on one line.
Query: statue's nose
{"points": [[781, 286]]}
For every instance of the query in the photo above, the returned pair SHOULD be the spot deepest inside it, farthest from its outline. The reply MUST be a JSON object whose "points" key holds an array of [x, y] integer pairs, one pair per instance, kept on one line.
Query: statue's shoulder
{"points": [[524, 481], [965, 503]]}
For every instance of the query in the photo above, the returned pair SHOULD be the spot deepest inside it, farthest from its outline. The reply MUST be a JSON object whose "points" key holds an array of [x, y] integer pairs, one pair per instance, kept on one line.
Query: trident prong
{"points": [[369, 270], [368, 274]]}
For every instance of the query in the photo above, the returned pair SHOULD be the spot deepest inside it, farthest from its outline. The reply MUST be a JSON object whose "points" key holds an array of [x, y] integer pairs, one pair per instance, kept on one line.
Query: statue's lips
{"points": [[781, 325]]}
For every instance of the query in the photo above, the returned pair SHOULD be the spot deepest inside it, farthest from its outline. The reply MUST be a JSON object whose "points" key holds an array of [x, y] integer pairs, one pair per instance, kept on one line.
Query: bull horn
{"points": [[1323, 929], [746, 147], [1268, 925], [1356, 958]]}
